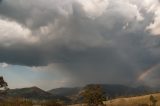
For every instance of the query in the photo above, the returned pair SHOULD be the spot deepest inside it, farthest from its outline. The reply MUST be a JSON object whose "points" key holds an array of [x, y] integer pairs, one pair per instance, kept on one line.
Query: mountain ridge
{"points": [[69, 94]]}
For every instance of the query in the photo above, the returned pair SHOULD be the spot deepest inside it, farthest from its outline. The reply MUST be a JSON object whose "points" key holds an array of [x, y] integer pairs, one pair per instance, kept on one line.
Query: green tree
{"points": [[93, 95], [4, 85]]}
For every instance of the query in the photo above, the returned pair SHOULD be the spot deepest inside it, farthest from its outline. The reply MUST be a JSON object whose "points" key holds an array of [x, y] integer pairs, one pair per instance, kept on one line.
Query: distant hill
{"points": [[111, 90], [73, 94], [30, 93], [65, 91], [115, 90], [34, 93]]}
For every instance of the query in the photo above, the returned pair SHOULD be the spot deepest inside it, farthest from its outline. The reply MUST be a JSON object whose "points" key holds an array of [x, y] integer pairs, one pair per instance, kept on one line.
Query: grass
{"points": [[26, 102], [134, 101], [130, 101], [16, 102]]}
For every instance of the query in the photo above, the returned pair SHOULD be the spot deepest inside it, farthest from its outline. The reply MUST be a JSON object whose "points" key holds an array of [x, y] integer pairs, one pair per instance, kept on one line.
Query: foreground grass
{"points": [[131, 101], [25, 102], [134, 101], [16, 102]]}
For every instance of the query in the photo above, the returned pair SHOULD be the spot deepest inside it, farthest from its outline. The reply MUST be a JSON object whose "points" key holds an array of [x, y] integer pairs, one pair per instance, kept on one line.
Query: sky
{"points": [[66, 43]]}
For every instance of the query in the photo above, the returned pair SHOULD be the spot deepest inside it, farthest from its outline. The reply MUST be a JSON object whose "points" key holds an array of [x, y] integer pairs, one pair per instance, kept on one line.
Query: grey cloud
{"points": [[32, 14], [97, 49]]}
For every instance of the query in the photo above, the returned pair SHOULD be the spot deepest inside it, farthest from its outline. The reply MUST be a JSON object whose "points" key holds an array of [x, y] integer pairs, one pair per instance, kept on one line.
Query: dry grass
{"points": [[134, 101], [16, 102], [130, 101], [26, 102]]}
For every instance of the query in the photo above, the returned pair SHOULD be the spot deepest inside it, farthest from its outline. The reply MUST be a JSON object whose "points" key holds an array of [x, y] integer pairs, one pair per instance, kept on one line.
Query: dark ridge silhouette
{"points": [[34, 93], [111, 91], [65, 91], [72, 95]]}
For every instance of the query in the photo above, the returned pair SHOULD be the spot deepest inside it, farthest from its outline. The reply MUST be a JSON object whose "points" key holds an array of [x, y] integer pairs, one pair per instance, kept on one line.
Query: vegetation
{"points": [[93, 95], [27, 102], [52, 103], [16, 102], [4, 85], [153, 100], [147, 100]]}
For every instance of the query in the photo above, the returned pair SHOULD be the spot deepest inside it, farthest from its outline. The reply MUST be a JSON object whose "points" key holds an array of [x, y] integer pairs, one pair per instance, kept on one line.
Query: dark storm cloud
{"points": [[32, 14], [111, 47]]}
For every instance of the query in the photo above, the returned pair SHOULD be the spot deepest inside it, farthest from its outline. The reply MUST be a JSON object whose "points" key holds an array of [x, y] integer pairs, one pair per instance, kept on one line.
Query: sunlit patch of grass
{"points": [[134, 101]]}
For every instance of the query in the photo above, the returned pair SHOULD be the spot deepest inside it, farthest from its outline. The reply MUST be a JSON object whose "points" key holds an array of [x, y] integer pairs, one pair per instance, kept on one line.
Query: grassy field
{"points": [[134, 101], [25, 102], [131, 101]]}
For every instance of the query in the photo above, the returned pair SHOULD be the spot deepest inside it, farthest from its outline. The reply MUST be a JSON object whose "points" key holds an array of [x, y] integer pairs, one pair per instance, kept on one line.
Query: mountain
{"points": [[29, 93], [65, 91], [33, 93], [117, 90], [111, 91], [70, 93], [73, 94]]}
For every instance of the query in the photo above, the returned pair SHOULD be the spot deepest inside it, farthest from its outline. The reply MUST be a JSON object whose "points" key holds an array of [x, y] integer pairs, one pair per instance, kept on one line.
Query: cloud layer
{"points": [[95, 39]]}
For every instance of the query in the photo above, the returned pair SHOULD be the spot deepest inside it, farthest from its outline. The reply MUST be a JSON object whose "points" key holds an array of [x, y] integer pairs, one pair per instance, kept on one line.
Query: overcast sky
{"points": [[57, 43]]}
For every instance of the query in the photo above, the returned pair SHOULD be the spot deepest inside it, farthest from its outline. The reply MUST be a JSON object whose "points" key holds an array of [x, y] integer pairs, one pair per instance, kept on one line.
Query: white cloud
{"points": [[4, 65], [151, 6], [127, 9], [12, 33], [154, 27], [94, 8]]}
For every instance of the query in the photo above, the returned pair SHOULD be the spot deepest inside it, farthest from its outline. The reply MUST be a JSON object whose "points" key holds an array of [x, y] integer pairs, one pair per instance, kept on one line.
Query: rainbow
{"points": [[147, 72]]}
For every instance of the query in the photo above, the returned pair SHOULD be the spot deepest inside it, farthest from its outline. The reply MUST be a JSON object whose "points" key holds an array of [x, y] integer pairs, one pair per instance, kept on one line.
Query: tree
{"points": [[153, 100], [93, 95], [4, 85]]}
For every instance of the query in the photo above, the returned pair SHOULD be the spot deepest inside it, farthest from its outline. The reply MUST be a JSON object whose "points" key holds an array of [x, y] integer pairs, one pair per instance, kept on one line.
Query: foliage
{"points": [[93, 95]]}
